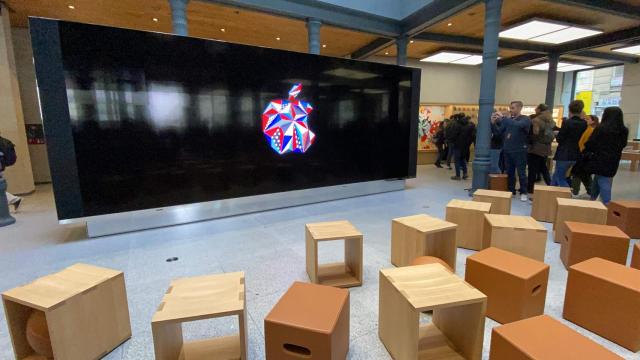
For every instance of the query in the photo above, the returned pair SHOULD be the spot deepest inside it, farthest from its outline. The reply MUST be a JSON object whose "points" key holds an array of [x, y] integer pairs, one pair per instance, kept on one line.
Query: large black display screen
{"points": [[137, 120]]}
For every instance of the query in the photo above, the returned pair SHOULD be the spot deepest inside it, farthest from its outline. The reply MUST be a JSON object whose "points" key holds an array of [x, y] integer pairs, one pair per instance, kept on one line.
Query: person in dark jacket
{"points": [[440, 141], [568, 139], [542, 125], [603, 151], [450, 137], [514, 130], [466, 133]]}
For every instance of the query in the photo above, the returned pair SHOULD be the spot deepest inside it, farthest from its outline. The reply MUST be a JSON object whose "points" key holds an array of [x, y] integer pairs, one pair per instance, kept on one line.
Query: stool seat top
{"points": [[515, 222], [51, 290], [493, 193], [611, 272], [542, 337], [559, 189], [581, 203], [425, 223], [469, 205], [508, 262], [632, 204], [310, 306], [202, 297], [333, 230], [595, 229], [431, 286]]}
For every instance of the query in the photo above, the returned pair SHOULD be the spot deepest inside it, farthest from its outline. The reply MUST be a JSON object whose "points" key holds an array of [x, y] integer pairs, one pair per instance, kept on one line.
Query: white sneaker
{"points": [[524, 198]]}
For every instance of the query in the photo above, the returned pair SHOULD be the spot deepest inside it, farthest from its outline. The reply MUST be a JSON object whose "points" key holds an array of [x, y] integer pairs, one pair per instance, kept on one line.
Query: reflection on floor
{"points": [[268, 246]]}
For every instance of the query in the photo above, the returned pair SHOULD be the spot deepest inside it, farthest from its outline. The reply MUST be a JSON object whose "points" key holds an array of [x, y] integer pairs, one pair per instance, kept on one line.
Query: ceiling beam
{"points": [[607, 6], [327, 13], [600, 40], [372, 48], [519, 59], [466, 40], [607, 56], [433, 13]]}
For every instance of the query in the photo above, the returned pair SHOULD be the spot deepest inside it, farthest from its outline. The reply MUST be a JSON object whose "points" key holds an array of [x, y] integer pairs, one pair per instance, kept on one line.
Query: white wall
{"points": [[460, 84]]}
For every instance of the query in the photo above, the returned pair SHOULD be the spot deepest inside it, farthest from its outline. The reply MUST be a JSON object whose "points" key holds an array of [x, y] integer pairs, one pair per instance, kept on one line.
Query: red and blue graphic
{"points": [[285, 124]]}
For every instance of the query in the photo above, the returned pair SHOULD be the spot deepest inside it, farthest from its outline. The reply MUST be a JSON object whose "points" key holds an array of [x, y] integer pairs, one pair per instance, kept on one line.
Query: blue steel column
{"points": [[482, 160], [552, 74], [179, 16], [401, 47], [313, 30]]}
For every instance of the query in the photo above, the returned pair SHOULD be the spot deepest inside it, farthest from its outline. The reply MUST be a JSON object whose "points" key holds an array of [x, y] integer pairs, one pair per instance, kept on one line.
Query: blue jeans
{"points": [[461, 161], [601, 186], [495, 161], [516, 161], [559, 177]]}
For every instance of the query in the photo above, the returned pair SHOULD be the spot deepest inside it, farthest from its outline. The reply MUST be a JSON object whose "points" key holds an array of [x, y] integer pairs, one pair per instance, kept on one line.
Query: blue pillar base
{"points": [[5, 217], [481, 167]]}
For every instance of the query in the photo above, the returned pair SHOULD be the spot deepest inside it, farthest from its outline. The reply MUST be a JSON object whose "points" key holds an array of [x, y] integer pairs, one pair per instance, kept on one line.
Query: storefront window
{"points": [[599, 88]]}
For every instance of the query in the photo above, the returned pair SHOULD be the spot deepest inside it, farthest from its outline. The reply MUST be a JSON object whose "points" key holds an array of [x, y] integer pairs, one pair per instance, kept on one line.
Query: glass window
{"points": [[599, 88]]}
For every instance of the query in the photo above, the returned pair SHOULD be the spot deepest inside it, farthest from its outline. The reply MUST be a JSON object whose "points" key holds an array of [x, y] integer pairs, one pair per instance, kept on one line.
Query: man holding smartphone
{"points": [[513, 128]]}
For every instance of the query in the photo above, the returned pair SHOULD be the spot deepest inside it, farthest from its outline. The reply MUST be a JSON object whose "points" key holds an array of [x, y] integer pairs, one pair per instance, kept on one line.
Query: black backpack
{"points": [[8, 154]]}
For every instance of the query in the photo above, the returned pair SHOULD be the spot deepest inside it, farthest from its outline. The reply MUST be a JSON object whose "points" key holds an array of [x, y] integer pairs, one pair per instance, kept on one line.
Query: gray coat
{"points": [[538, 126]]}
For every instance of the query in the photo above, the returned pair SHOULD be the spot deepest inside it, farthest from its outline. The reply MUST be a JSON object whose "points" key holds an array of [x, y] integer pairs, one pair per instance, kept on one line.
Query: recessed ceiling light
{"points": [[632, 49], [411, 42], [278, 38], [450, 57], [562, 67], [71, 7], [450, 24], [223, 29], [155, 19], [324, 45], [386, 53], [549, 32]]}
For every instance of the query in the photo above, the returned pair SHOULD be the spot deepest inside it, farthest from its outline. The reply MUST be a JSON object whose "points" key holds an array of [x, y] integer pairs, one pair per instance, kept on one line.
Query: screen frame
{"points": [[53, 101]]}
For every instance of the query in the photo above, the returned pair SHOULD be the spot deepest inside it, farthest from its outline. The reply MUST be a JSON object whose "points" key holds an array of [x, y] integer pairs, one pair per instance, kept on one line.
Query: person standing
{"points": [[603, 151], [450, 137], [578, 175], [514, 131], [466, 134], [542, 136], [8, 158], [440, 141], [568, 138]]}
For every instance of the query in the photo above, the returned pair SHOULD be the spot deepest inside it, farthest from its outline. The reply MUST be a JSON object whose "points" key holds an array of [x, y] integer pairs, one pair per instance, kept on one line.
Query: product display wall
{"points": [[151, 120]]}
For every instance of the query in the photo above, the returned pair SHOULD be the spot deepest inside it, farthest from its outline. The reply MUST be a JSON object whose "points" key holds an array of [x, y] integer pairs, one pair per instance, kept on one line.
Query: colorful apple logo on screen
{"points": [[284, 122]]}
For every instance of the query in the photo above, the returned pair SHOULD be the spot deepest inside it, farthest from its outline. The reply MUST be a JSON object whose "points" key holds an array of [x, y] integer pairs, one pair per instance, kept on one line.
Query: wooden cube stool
{"points": [[200, 298], [635, 257], [604, 297], [421, 235], [499, 182], [625, 214], [309, 322], [585, 241], [544, 338], [457, 328], [425, 260], [519, 234], [469, 216], [544, 205], [584, 211], [79, 313], [500, 200], [341, 274], [516, 286]]}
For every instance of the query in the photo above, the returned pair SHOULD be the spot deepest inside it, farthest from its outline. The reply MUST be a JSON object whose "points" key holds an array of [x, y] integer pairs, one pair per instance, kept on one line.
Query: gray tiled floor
{"points": [[268, 246]]}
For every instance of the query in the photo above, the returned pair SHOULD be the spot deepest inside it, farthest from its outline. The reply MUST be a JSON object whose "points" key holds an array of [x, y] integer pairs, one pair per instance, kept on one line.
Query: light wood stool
{"points": [[625, 214], [469, 216], [457, 329], [200, 298], [522, 235], [584, 211], [85, 308], [422, 235], [341, 274], [544, 338], [612, 289], [586, 241], [500, 200], [499, 182], [635, 257], [544, 205]]}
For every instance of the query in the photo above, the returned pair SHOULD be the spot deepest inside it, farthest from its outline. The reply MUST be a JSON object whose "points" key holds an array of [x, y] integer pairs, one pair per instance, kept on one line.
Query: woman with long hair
{"points": [[602, 152]]}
